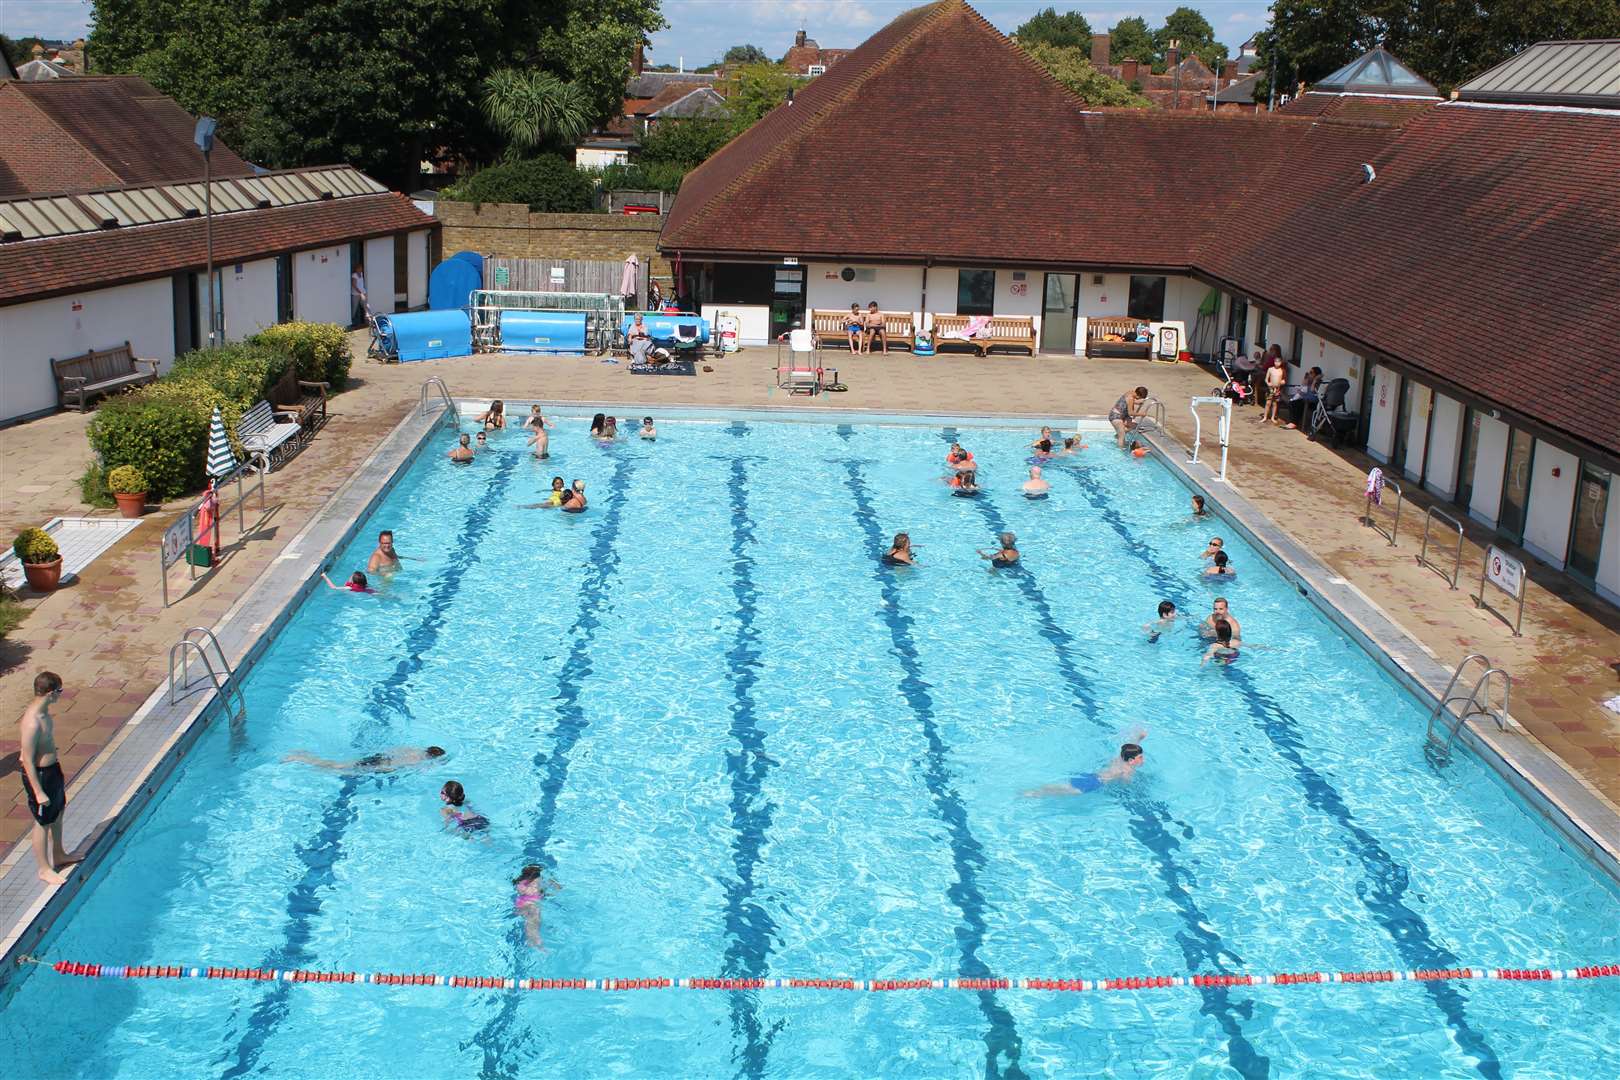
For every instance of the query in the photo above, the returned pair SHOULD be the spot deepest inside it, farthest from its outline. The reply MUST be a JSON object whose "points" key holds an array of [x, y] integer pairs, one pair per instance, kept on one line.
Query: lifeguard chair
{"points": [[798, 362]]}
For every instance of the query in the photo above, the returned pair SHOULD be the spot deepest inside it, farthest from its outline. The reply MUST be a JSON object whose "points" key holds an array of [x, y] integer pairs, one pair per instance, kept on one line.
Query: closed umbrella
{"points": [[631, 276], [221, 460]]}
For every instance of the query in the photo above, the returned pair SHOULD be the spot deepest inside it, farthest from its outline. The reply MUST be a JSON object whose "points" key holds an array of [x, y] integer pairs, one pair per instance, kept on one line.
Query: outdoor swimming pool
{"points": [[745, 748]]}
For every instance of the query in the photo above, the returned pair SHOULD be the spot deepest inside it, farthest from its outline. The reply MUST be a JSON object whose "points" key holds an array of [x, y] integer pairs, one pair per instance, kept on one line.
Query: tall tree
{"points": [[1130, 39], [1069, 65], [590, 43], [534, 109], [754, 90], [1196, 37], [745, 54], [1068, 30]]}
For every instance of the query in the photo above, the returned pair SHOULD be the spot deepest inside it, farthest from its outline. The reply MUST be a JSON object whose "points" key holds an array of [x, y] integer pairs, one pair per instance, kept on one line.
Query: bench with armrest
{"points": [[832, 327], [1010, 331], [1115, 335], [266, 438], [300, 400], [97, 372]]}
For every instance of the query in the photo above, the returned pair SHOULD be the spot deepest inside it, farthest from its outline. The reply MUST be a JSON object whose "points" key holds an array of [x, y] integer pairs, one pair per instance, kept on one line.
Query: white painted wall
{"points": [[941, 293], [1417, 430], [1608, 574], [1182, 295], [1552, 503], [416, 270], [895, 288], [1112, 297], [380, 274], [1490, 462], [1336, 363], [1445, 446], [753, 321], [321, 285], [1385, 404], [32, 334], [249, 294]]}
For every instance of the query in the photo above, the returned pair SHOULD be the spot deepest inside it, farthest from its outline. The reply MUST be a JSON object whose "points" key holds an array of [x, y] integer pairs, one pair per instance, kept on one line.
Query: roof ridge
{"points": [[838, 98], [65, 133]]}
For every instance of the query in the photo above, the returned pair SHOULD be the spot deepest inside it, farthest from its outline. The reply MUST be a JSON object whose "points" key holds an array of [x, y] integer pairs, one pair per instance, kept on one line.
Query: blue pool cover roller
{"points": [[425, 335]]}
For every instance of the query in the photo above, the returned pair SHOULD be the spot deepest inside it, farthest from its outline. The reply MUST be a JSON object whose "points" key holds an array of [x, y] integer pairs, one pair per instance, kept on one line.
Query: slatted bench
{"points": [[1010, 331], [99, 372], [300, 401], [266, 438], [832, 327], [1115, 335]]}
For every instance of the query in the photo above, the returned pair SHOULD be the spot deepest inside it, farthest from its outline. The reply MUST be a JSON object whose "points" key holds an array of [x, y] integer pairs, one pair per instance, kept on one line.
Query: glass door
{"points": [[1516, 485], [1467, 458], [1058, 314], [1403, 425], [1586, 531]]}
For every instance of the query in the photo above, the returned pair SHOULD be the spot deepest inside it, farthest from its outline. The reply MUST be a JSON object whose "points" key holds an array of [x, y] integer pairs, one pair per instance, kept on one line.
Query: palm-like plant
{"points": [[531, 108]]}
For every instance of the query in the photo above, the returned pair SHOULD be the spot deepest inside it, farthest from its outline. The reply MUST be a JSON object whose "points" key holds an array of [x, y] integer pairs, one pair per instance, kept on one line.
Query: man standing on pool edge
{"points": [[43, 782]]}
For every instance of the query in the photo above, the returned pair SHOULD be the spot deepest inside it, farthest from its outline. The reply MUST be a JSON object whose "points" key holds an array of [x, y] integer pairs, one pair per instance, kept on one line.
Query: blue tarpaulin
{"points": [[454, 280], [543, 331], [673, 331], [425, 335]]}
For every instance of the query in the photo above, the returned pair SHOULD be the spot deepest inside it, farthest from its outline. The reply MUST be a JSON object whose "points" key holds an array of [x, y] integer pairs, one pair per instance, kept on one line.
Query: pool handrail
{"points": [[1423, 554], [444, 392], [223, 678], [1477, 702], [1395, 527]]}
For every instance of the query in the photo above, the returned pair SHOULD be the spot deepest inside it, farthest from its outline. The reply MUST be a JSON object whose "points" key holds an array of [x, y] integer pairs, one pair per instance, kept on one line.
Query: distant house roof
{"points": [[1376, 72], [667, 96], [702, 102], [1239, 92], [649, 83], [1584, 73], [1481, 227], [1371, 108], [97, 130]]}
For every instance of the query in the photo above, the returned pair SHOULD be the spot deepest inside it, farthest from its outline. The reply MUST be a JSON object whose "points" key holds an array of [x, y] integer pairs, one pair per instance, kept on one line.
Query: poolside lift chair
{"points": [[798, 362], [1332, 417]]}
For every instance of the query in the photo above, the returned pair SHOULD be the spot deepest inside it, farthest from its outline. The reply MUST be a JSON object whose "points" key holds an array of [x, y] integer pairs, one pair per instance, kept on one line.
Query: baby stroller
{"points": [[1235, 388], [1332, 418]]}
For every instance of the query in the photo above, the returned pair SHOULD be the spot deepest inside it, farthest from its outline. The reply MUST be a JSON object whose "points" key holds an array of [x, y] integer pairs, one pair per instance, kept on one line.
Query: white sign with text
{"points": [[1506, 572]]}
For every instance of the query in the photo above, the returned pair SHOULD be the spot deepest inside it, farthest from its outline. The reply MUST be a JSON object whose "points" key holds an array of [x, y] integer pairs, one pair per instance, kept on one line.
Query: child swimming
{"points": [[1166, 620], [1118, 771], [1222, 651], [531, 887], [455, 811]]}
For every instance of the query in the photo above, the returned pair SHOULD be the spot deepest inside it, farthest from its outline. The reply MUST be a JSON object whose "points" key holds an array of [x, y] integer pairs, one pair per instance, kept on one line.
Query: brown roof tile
{"points": [[37, 269]]}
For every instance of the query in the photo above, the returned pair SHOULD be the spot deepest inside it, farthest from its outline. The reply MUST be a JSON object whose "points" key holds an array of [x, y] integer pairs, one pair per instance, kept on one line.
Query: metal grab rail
{"points": [[444, 392], [1477, 702], [1158, 412], [1395, 528], [1225, 428], [1423, 554], [223, 678]]}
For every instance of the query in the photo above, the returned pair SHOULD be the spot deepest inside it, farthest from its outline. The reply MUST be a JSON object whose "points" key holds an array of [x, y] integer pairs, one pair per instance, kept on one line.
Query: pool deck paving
{"points": [[108, 634]]}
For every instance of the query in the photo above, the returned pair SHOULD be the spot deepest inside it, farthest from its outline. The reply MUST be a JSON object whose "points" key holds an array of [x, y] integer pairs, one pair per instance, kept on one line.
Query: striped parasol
{"points": [[221, 461]]}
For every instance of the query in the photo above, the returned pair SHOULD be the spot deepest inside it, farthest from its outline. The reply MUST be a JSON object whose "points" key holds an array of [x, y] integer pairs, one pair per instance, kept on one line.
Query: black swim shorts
{"points": [[50, 778]]}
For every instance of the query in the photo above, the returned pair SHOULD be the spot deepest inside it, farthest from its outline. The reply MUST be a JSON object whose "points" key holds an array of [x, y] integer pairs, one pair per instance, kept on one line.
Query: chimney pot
{"points": [[638, 59], [798, 39], [1127, 71], [1172, 58], [39, 50], [1100, 44]]}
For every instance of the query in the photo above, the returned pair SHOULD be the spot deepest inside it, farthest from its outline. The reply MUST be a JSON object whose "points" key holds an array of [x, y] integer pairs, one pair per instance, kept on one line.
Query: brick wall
{"points": [[510, 229]]}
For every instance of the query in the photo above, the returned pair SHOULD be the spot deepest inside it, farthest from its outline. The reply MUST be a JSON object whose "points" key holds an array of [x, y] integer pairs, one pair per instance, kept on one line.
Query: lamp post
{"points": [[204, 138]]}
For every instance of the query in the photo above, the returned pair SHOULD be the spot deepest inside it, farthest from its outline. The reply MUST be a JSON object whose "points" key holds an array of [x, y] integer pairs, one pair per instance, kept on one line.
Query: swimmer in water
{"points": [[1223, 650], [356, 583], [455, 811], [1035, 487], [959, 459], [483, 441], [534, 419], [550, 502], [899, 553], [463, 453], [400, 757], [532, 886], [1216, 546], [1166, 621], [540, 441], [965, 483], [573, 500], [1044, 443], [1198, 507], [1221, 567], [1118, 771], [648, 432], [384, 558], [1219, 613], [495, 415], [1006, 555]]}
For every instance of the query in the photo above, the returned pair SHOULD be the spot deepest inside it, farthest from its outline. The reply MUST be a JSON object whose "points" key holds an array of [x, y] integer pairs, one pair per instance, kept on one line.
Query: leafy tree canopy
{"points": [[1068, 30], [20, 50], [754, 90], [1196, 37], [1070, 66], [684, 143], [1130, 39], [745, 54], [547, 184]]}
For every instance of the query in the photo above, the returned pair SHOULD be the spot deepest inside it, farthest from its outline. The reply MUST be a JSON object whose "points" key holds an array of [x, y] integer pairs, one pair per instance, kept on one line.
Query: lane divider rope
{"points": [[1130, 982]]}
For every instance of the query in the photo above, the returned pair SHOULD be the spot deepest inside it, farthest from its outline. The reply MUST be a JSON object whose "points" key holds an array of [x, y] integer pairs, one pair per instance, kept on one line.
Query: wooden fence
{"points": [[561, 275]]}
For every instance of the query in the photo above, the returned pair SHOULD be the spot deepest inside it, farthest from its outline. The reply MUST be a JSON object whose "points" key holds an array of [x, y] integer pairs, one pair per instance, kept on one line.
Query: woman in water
{"points": [[355, 584], [899, 553], [1125, 411], [1199, 510], [495, 415], [531, 886], [573, 500], [1216, 546], [965, 483], [1222, 651], [456, 812], [599, 427], [1220, 569], [1006, 555]]}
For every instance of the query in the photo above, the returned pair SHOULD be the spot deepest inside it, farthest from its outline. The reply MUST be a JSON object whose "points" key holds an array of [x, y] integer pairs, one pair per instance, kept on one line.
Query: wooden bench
{"points": [[98, 372], [1010, 331], [831, 327], [300, 400], [1115, 335], [265, 437]]}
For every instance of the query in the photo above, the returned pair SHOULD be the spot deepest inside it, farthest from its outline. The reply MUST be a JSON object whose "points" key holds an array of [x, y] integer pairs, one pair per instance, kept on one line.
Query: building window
{"points": [[816, 69], [975, 292], [1147, 298], [1586, 529], [1237, 321]]}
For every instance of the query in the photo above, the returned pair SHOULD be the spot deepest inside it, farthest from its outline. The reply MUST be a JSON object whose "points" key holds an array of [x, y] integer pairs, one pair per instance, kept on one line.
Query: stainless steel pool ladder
{"points": [[1444, 724], [444, 392], [222, 678], [1153, 408]]}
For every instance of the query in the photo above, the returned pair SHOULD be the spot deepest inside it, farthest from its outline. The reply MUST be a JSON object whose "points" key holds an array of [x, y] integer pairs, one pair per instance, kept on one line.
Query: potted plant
{"points": [[128, 485], [41, 559]]}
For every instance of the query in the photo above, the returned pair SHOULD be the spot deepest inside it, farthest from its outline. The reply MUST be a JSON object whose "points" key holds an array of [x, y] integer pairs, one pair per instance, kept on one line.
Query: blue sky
{"points": [[701, 30]]}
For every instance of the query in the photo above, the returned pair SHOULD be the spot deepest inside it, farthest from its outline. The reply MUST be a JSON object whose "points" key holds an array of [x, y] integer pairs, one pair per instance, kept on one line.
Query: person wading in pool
{"points": [[1166, 620], [385, 558], [1220, 611], [463, 453], [43, 782], [899, 553], [400, 757], [1118, 771], [1006, 555]]}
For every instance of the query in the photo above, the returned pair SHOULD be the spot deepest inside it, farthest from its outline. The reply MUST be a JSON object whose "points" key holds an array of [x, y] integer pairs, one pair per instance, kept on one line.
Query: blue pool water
{"points": [[745, 748]]}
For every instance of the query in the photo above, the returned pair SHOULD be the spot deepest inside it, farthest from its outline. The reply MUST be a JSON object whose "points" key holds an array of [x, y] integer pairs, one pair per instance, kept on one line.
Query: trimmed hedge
{"points": [[244, 373], [546, 184], [162, 430], [321, 350]]}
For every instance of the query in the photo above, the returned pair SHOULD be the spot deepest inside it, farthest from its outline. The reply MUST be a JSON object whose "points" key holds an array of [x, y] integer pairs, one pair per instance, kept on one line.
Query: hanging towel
{"points": [[1375, 486], [975, 326]]}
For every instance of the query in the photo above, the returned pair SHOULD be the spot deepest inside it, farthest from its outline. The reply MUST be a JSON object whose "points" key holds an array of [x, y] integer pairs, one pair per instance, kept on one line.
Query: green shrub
{"points": [[162, 430], [319, 350], [93, 487], [126, 480], [548, 184], [243, 372], [11, 612], [35, 546], [643, 176]]}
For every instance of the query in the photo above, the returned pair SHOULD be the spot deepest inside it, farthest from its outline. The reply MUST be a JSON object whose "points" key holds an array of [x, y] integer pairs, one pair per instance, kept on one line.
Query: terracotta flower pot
{"points": [[43, 576], [131, 506]]}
